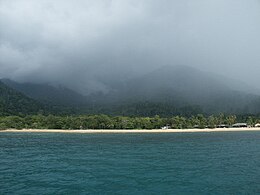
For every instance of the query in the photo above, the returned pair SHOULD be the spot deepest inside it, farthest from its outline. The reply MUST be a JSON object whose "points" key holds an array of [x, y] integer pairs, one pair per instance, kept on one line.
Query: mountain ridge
{"points": [[172, 88], [46, 93]]}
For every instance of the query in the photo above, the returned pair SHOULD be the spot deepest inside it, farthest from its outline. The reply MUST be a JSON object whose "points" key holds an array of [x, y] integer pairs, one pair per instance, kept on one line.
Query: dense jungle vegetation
{"points": [[121, 122]]}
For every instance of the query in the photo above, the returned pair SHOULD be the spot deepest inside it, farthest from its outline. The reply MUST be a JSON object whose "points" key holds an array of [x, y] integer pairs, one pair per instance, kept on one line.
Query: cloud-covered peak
{"points": [[76, 43]]}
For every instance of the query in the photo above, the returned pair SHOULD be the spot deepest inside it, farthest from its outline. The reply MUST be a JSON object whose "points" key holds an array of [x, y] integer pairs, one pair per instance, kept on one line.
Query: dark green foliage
{"points": [[143, 109], [15, 103], [47, 94], [120, 122]]}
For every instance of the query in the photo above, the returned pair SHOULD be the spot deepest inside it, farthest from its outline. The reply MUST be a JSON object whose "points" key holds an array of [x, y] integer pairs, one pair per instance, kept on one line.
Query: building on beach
{"points": [[257, 125], [240, 125], [222, 126]]}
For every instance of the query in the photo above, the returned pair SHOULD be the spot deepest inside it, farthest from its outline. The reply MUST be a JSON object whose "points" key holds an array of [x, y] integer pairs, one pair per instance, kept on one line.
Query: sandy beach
{"points": [[130, 131]]}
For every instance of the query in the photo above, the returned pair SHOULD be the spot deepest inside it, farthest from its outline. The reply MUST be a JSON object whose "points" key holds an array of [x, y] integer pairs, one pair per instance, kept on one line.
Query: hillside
{"points": [[178, 88], [48, 94], [170, 90], [13, 102]]}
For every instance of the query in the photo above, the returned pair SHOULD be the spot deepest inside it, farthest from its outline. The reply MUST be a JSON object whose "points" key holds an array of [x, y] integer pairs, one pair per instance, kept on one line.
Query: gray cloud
{"points": [[78, 42]]}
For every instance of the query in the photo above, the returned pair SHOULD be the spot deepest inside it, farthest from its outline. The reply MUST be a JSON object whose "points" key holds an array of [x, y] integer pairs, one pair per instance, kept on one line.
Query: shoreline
{"points": [[130, 130]]}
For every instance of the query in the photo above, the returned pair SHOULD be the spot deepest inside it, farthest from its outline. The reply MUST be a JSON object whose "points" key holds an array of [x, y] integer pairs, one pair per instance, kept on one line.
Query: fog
{"points": [[82, 44]]}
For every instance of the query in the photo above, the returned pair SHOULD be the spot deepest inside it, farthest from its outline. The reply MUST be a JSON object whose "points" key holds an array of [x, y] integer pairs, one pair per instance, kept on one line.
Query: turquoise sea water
{"points": [[174, 163]]}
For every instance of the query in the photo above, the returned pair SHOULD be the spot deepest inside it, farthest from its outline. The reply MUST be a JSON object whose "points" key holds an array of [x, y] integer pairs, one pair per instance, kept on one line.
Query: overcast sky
{"points": [[78, 42]]}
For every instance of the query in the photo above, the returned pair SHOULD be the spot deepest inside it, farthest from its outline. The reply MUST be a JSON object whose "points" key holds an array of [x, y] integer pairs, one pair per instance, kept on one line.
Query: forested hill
{"points": [[48, 94], [182, 90], [15, 103], [166, 91]]}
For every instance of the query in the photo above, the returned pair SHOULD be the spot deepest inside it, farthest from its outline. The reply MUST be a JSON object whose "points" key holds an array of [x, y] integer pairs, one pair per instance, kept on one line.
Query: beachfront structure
{"points": [[257, 125], [240, 125], [166, 127], [222, 126]]}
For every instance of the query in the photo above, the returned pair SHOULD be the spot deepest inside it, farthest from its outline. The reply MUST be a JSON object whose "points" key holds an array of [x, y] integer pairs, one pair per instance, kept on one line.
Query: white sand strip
{"points": [[130, 131]]}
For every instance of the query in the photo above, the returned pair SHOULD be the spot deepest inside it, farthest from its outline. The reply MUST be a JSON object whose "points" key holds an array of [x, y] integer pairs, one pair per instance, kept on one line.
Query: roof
{"points": [[240, 124]]}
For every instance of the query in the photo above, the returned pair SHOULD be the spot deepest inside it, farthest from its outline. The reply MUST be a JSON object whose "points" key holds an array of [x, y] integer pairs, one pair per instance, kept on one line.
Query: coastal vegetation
{"points": [[19, 111], [120, 122]]}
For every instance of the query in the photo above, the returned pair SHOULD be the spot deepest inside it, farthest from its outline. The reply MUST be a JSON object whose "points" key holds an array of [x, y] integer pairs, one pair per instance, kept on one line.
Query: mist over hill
{"points": [[182, 85], [169, 90], [83, 44], [117, 56]]}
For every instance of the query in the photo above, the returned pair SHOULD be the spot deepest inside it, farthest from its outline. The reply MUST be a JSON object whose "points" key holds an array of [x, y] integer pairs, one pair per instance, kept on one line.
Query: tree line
{"points": [[120, 122]]}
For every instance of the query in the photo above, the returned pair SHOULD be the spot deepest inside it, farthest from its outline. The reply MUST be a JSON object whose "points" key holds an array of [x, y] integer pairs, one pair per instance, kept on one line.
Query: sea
{"points": [[142, 163]]}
